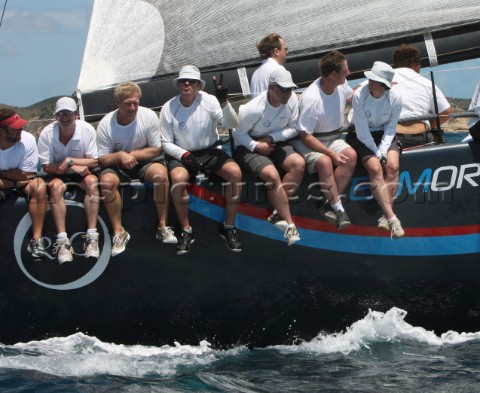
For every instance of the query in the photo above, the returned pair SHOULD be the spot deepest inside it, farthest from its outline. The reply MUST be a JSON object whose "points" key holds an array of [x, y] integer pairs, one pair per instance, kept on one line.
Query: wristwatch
{"points": [[70, 163]]}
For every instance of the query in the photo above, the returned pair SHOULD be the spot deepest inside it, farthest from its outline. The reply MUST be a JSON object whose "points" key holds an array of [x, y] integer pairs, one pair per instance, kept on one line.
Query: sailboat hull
{"points": [[269, 293]]}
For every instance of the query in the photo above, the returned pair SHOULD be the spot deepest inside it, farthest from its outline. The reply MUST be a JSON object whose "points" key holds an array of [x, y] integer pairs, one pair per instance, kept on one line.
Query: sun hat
{"points": [[281, 77], [381, 72], [67, 104], [14, 121], [189, 72]]}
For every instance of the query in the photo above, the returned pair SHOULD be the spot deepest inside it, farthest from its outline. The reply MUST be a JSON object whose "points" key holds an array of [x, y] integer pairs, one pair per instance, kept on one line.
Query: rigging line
{"points": [[3, 12]]}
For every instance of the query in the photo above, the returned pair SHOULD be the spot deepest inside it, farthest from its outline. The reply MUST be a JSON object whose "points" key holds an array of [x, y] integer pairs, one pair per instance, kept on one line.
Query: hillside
{"points": [[38, 115], [41, 113]]}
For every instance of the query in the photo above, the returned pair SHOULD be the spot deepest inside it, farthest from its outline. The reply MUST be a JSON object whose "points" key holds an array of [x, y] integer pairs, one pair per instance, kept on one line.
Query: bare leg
{"points": [[37, 206], [179, 177], [56, 189], [276, 192], [91, 200], [294, 166], [157, 175], [232, 174], [379, 189], [333, 180], [109, 183], [392, 170], [343, 173]]}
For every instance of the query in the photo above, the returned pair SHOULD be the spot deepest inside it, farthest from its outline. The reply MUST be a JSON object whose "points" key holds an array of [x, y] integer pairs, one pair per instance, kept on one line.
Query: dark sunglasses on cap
{"points": [[191, 81], [284, 89], [63, 113]]}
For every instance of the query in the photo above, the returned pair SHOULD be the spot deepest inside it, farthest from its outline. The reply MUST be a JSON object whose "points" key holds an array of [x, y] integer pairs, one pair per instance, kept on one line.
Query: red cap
{"points": [[14, 121]]}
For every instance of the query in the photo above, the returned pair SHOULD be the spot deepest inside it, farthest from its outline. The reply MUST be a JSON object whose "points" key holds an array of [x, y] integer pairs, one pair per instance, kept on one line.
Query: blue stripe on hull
{"points": [[407, 246]]}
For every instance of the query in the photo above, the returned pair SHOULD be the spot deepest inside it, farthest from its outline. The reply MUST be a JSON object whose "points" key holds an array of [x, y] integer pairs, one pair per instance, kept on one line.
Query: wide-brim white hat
{"points": [[381, 72], [189, 72]]}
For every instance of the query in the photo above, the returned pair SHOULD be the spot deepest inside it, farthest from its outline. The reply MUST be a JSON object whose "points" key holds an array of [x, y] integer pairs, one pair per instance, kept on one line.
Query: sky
{"points": [[41, 48], [42, 44]]}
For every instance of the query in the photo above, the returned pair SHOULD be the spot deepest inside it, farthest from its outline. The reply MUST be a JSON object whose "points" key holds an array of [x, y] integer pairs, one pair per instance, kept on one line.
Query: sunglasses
{"points": [[191, 81], [63, 113], [284, 89]]}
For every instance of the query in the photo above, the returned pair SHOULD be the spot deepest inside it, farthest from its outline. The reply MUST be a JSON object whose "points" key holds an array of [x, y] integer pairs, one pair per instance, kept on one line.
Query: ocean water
{"points": [[379, 353]]}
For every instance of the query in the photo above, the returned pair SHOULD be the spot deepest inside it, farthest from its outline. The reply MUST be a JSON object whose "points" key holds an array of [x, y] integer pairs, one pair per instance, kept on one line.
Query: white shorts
{"points": [[311, 156]]}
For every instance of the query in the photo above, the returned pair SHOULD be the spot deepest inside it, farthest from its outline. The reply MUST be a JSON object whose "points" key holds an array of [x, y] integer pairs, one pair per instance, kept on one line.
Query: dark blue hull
{"points": [[269, 293]]}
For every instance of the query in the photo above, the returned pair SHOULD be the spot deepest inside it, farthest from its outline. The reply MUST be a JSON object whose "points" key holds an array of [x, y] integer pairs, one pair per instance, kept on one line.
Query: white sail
{"points": [[137, 39], [125, 41]]}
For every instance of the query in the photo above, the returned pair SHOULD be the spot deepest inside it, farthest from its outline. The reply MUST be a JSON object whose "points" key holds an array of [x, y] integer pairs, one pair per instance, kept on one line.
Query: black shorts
{"points": [[212, 159], [68, 178], [255, 162], [362, 150], [138, 172], [412, 140]]}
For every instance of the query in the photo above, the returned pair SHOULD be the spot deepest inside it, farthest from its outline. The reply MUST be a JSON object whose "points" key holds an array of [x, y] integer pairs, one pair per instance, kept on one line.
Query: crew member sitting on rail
{"points": [[417, 98], [376, 109], [266, 123], [18, 165], [320, 124], [190, 139], [129, 147], [67, 150]]}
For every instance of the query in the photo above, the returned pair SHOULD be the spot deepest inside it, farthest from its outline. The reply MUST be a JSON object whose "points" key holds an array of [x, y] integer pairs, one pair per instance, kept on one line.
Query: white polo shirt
{"points": [[82, 144]]}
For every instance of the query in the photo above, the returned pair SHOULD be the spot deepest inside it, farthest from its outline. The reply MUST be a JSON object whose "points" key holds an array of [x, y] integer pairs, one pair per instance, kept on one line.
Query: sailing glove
{"points": [[221, 90], [191, 163], [383, 160]]}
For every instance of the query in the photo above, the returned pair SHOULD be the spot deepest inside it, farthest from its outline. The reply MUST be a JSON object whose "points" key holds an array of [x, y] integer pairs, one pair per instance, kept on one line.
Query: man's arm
{"points": [[444, 117], [14, 178], [127, 160], [146, 153]]}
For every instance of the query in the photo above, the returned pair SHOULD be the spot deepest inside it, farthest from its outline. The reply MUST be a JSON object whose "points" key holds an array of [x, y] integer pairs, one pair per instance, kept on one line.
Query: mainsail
{"points": [[148, 40]]}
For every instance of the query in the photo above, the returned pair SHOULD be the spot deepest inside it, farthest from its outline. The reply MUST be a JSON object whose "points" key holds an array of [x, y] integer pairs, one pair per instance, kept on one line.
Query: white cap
{"points": [[281, 77], [381, 72], [66, 103], [189, 72]]}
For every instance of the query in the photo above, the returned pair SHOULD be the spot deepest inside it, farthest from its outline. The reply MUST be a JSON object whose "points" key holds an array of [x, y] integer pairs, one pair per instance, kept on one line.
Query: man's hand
{"points": [[339, 159], [81, 170], [63, 167], [221, 90], [126, 160], [265, 145]]}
